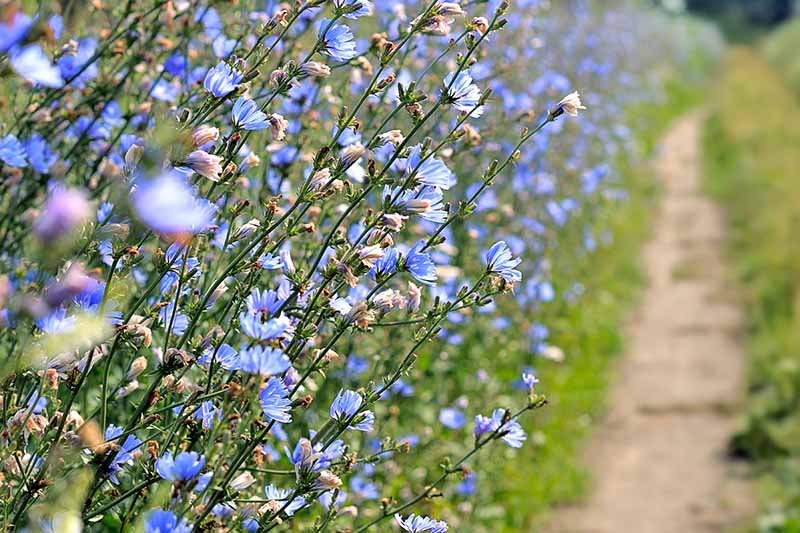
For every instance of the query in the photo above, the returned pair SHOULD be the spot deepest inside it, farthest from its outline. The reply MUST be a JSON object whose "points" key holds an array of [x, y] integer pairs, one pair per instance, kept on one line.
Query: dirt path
{"points": [[658, 457]]}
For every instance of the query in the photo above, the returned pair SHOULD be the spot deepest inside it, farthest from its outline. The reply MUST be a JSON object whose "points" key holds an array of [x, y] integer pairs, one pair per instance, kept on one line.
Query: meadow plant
{"points": [[241, 244]]}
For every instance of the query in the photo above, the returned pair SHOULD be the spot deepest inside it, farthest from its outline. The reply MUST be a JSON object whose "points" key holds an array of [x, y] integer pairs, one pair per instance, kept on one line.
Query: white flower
{"points": [[571, 104]]}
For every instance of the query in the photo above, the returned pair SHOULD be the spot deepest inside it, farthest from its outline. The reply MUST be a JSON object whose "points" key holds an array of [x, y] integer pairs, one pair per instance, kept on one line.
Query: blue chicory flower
{"points": [[462, 92], [420, 524], [511, 432], [164, 521], [345, 407], [420, 265], [452, 418], [501, 262], [12, 152], [275, 402], [184, 467], [34, 66], [247, 115], [222, 79], [262, 360], [430, 171], [337, 41], [168, 206]]}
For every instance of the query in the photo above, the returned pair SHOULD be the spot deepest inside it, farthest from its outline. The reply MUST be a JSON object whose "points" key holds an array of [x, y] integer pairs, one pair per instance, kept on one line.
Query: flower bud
{"points": [[133, 156], [315, 69], [370, 254], [205, 135], [327, 480], [351, 154], [207, 165], [242, 481], [277, 126], [127, 389], [414, 296], [137, 367]]}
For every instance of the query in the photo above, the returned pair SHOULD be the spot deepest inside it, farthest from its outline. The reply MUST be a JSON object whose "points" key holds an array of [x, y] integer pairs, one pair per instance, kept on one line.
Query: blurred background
{"points": [[741, 19]]}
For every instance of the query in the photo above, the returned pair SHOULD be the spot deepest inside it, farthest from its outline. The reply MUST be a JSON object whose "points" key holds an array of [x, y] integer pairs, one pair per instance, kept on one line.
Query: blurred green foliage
{"points": [[782, 49], [751, 145]]}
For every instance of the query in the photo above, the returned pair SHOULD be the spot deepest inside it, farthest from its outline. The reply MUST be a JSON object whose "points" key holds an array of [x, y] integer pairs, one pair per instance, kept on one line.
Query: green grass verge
{"points": [[589, 332], [751, 145]]}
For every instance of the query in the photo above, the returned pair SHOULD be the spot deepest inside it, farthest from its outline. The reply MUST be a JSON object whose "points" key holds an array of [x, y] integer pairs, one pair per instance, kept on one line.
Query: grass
{"points": [[751, 144]]}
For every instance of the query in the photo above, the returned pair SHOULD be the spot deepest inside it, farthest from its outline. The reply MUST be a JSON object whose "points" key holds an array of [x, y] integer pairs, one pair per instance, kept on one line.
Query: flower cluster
{"points": [[241, 245]]}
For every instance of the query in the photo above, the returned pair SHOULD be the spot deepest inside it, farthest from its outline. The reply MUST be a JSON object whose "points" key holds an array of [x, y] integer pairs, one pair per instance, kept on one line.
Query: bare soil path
{"points": [[658, 458]]}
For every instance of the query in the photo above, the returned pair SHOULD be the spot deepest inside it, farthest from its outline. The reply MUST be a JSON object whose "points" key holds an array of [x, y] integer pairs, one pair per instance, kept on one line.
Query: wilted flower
{"points": [[351, 154], [242, 481], [315, 69], [277, 126], [361, 315], [370, 254], [207, 165], [204, 136]]}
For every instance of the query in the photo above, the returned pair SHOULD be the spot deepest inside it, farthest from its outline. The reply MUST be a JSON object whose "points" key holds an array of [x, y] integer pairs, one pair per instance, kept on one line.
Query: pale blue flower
{"points": [[163, 521], [511, 432], [40, 155], [167, 204], [420, 264], [431, 171], [13, 29], [420, 524], [463, 93], [34, 66], [452, 418], [254, 327], [184, 467], [247, 115], [337, 42], [354, 9], [345, 407], [262, 360], [12, 152], [124, 455], [275, 402], [222, 79], [500, 261], [208, 413]]}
